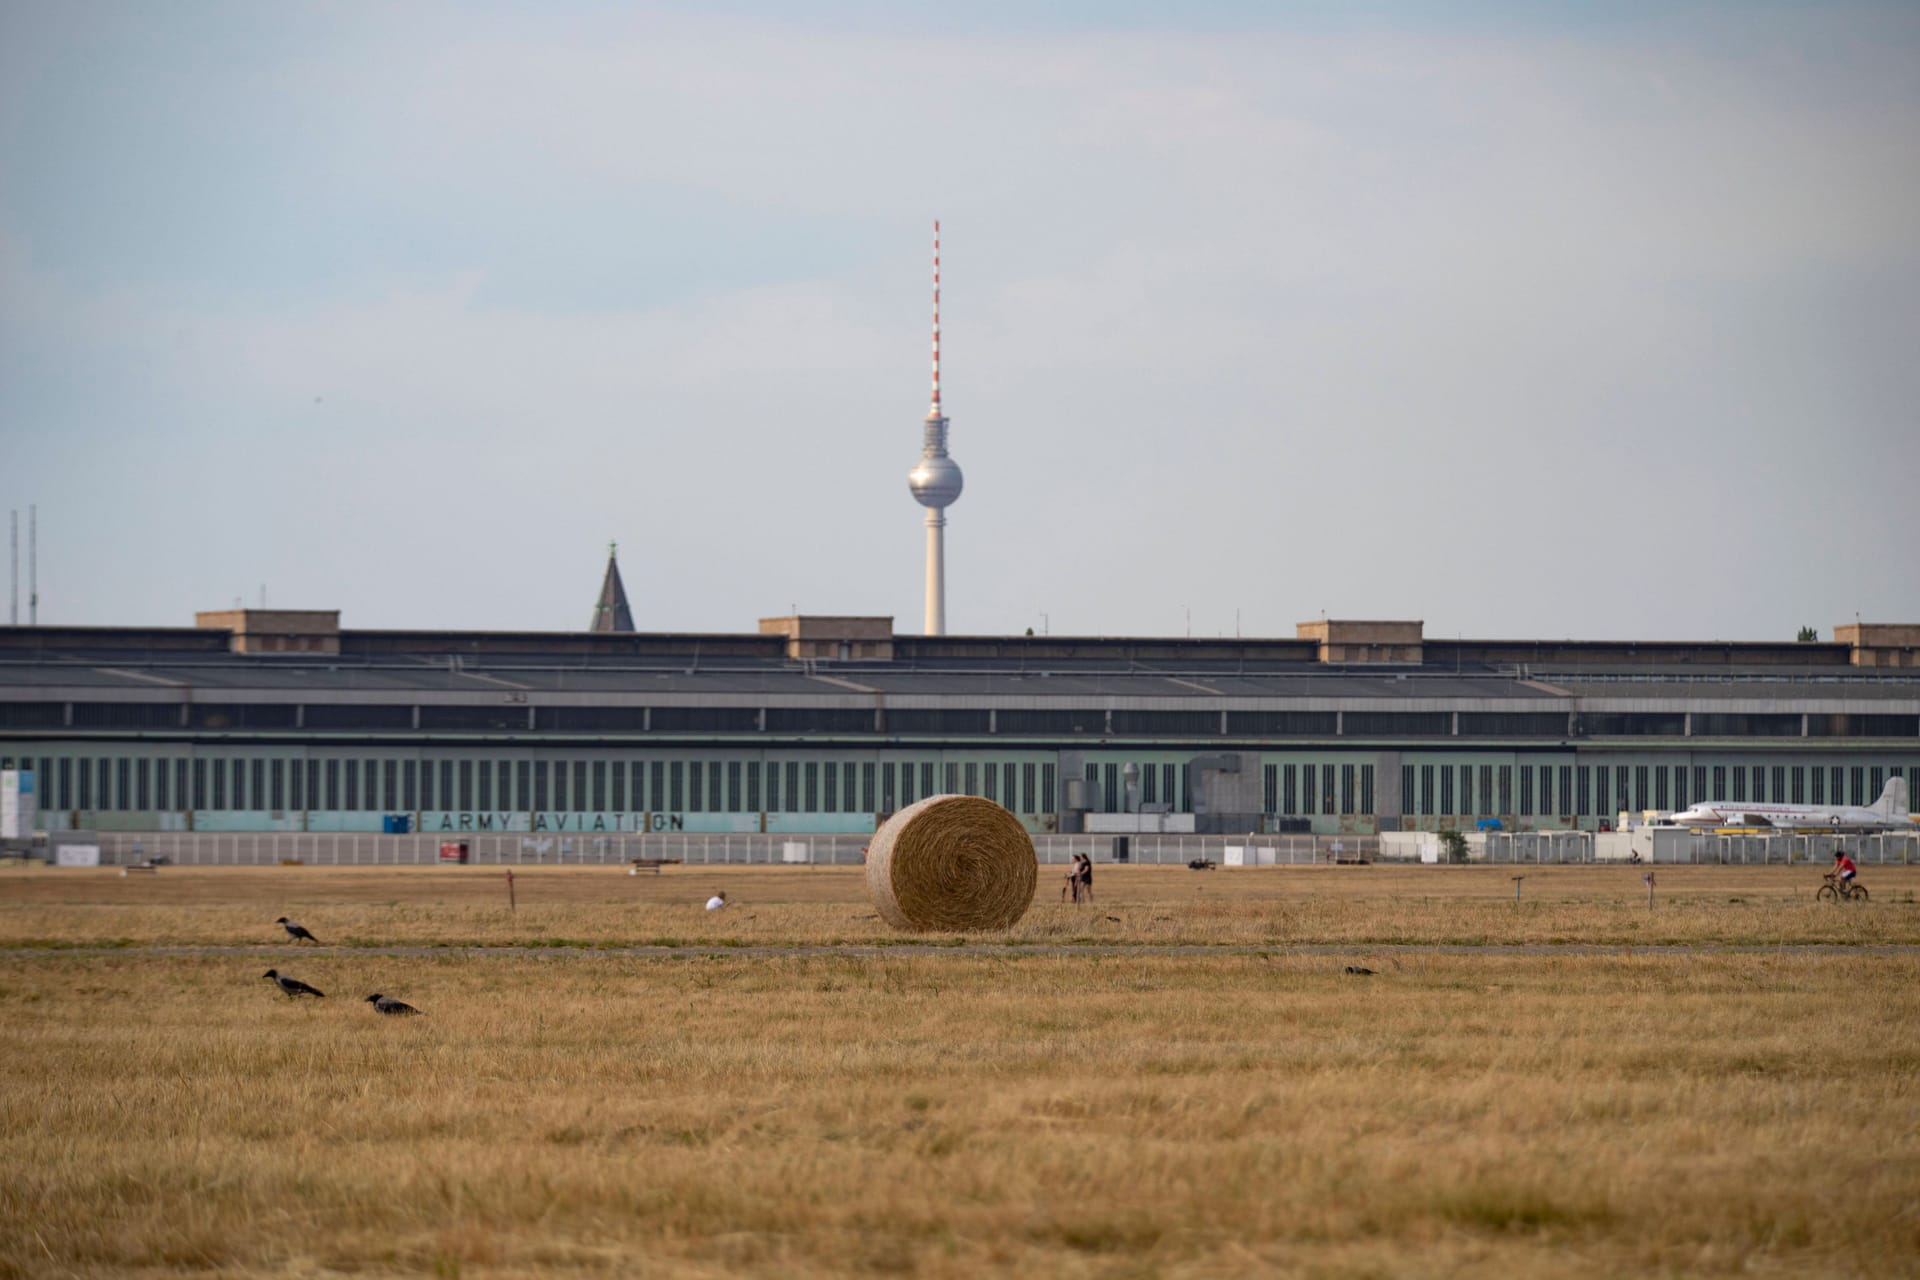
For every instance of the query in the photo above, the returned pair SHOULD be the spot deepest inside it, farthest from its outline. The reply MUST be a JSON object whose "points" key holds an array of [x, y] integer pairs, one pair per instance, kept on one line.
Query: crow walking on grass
{"points": [[293, 986], [295, 930], [391, 1007]]}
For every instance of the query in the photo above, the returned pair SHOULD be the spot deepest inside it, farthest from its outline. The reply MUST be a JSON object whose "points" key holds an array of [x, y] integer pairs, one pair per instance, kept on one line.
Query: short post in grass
{"points": [[511, 904], [1516, 887], [1647, 880]]}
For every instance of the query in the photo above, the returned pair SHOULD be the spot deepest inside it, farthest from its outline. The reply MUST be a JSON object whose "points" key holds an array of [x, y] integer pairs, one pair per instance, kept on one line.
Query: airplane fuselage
{"points": [[1792, 817], [1888, 813]]}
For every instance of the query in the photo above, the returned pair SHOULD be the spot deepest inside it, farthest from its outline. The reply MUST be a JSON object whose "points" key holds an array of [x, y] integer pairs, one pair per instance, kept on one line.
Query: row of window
{"points": [[515, 718], [1162, 787], [570, 786], [845, 786], [1298, 790]]}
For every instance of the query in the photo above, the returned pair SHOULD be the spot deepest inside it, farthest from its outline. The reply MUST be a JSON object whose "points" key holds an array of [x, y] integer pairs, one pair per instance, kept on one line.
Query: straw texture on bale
{"points": [[951, 862]]}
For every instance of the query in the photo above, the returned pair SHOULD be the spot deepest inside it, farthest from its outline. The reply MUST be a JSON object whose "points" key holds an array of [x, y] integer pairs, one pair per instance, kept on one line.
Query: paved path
{"points": [[994, 951]]}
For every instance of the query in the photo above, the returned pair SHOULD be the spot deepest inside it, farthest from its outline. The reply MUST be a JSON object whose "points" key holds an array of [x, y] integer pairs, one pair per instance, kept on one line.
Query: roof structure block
{"points": [[1880, 644], [275, 630], [842, 638], [1359, 641]]}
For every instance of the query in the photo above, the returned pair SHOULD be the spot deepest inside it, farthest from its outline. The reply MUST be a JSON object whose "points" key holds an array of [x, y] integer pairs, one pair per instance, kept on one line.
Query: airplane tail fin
{"points": [[1893, 801]]}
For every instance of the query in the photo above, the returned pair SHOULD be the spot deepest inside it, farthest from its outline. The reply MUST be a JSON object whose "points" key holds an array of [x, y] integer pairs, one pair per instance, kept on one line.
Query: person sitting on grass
{"points": [[1844, 869], [717, 901]]}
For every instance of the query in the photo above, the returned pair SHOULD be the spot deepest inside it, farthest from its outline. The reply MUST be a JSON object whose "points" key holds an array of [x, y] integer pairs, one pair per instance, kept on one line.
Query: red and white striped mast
{"points": [[934, 412], [936, 481]]}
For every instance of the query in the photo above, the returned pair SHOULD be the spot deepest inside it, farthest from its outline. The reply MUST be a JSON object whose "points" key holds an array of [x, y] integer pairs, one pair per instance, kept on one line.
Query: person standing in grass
{"points": [[1085, 893], [1071, 884]]}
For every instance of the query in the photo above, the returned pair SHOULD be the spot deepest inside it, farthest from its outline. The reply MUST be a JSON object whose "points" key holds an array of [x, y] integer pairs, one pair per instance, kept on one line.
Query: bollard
{"points": [[1647, 879], [511, 904]]}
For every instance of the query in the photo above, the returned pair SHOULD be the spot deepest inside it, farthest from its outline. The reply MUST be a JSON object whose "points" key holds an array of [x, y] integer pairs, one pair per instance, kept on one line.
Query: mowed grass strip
{"points": [[963, 1113], [561, 907]]}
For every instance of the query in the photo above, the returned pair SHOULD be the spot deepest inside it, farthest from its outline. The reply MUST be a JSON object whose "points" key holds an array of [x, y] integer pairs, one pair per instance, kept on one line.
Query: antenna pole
{"points": [[13, 575], [33, 564], [936, 318]]}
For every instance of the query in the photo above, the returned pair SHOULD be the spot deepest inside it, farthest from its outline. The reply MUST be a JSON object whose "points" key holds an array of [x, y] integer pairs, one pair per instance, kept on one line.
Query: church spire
{"points": [[611, 612]]}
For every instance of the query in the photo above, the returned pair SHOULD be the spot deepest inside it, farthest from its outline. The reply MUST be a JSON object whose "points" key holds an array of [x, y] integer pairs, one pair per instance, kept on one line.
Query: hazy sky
{"points": [[1592, 321]]}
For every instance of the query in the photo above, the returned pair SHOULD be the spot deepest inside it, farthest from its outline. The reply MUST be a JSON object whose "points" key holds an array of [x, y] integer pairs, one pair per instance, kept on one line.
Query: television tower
{"points": [[936, 481]]}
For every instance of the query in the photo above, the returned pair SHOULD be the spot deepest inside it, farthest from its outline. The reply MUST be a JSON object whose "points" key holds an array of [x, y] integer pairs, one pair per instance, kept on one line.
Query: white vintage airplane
{"points": [[1887, 813]]}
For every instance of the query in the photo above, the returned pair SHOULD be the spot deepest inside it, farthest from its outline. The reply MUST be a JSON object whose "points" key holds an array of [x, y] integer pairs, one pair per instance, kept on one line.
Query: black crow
{"points": [[1359, 971], [293, 986], [295, 931], [388, 1005]]}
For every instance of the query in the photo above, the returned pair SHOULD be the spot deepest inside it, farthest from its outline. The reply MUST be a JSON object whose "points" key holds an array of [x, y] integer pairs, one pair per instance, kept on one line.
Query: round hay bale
{"points": [[951, 862]]}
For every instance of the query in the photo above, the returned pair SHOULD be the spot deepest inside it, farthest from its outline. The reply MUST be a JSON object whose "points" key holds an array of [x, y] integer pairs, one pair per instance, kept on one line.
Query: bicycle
{"points": [[1835, 890]]}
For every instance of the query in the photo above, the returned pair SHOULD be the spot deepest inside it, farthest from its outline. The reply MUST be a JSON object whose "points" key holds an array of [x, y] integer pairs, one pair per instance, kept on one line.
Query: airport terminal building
{"points": [[259, 720]]}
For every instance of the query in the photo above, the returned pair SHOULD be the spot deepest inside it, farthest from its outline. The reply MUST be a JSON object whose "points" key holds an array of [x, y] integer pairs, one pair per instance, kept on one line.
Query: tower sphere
{"points": [[935, 481]]}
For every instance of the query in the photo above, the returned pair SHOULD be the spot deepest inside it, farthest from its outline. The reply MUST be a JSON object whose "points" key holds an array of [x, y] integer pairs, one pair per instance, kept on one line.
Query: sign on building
{"points": [[18, 810]]}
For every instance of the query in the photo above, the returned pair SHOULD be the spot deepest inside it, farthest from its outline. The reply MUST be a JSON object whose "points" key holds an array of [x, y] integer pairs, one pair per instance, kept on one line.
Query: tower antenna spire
{"points": [[936, 482], [935, 410]]}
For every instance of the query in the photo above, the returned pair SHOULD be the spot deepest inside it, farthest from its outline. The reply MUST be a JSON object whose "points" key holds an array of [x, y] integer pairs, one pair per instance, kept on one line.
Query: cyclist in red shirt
{"points": [[1843, 866]]}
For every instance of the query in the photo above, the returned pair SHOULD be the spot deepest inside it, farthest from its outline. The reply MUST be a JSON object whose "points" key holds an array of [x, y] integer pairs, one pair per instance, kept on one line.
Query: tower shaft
{"points": [[936, 571]]}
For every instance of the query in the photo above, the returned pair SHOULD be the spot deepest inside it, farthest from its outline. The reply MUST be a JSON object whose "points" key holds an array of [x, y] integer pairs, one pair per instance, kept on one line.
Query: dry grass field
{"points": [[1194, 1087], [826, 906]]}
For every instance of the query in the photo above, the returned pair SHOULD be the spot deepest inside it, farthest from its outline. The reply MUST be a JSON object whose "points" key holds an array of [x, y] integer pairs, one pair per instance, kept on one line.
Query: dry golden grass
{"points": [[778, 906], [981, 1110]]}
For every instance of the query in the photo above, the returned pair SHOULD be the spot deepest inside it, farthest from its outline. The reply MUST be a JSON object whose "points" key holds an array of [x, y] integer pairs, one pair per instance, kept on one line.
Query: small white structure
{"points": [[1657, 844], [795, 851], [1126, 824], [1409, 846], [77, 855]]}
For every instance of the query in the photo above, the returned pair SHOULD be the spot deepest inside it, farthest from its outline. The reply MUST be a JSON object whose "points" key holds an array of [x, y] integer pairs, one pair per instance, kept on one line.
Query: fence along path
{"points": [[347, 849]]}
